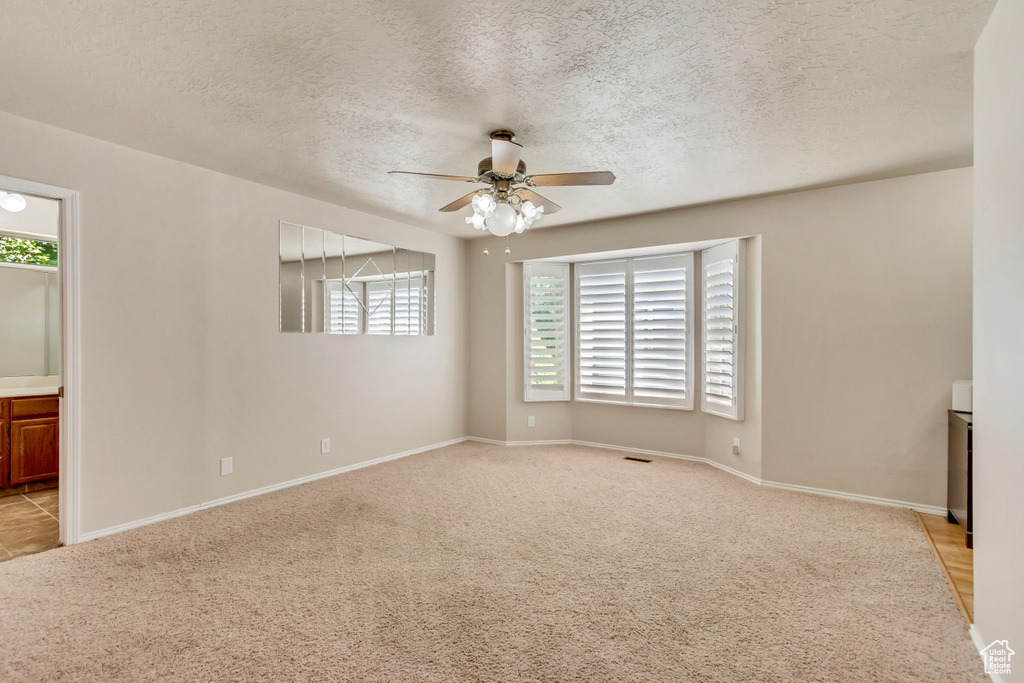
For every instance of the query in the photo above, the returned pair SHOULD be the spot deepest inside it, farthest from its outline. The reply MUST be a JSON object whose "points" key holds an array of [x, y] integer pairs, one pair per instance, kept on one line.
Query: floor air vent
{"points": [[636, 459]]}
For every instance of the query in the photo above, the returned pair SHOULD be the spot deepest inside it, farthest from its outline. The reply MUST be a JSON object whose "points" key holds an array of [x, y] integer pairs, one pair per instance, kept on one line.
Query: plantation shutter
{"points": [[546, 343], [662, 353], [379, 297], [345, 314], [601, 330], [408, 306], [722, 329]]}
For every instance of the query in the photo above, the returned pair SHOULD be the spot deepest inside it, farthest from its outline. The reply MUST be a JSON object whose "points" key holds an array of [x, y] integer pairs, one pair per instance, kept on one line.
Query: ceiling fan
{"points": [[509, 205]]}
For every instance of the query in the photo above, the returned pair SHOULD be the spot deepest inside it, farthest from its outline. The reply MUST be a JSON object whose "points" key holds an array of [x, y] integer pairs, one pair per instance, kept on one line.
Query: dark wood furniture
{"points": [[29, 440], [960, 475]]}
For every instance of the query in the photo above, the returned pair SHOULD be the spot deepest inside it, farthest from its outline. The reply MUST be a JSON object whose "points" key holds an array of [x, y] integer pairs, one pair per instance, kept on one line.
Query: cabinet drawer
{"points": [[37, 405]]}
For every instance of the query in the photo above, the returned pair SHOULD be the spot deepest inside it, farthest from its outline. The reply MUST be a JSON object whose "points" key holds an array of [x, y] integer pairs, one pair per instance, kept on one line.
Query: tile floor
{"points": [[28, 523]]}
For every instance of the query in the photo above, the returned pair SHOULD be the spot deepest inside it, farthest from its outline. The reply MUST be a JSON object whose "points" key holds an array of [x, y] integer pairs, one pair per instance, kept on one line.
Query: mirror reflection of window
{"points": [[410, 313], [379, 298], [345, 312], [339, 284]]}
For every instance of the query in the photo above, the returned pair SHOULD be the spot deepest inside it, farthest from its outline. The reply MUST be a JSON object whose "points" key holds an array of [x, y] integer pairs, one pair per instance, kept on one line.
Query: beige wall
{"points": [[486, 388], [865, 323], [999, 331], [182, 363]]}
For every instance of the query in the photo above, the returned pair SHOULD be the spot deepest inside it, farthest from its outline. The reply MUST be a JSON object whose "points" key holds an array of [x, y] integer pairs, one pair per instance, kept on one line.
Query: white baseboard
{"points": [[541, 442], [875, 500], [91, 535], [890, 502], [492, 442], [678, 456], [979, 644]]}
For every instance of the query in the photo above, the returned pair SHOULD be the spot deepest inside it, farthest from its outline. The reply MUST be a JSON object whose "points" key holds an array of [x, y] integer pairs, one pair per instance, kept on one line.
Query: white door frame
{"points": [[71, 362]]}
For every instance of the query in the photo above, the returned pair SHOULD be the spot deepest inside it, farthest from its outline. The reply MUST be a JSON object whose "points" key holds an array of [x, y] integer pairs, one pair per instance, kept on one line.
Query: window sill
{"points": [[627, 404]]}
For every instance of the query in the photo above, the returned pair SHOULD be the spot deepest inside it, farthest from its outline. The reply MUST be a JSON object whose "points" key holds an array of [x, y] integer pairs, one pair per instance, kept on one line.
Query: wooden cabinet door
{"points": [[5, 456], [35, 449]]}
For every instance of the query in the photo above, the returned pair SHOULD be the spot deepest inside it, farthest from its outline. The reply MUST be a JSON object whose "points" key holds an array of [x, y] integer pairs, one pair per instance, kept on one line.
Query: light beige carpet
{"points": [[484, 563]]}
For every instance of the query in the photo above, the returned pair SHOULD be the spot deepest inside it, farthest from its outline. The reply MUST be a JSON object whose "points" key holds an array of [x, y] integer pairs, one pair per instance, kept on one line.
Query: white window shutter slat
{"points": [[602, 318], [722, 329], [408, 305], [345, 312], [546, 360], [662, 345], [379, 300]]}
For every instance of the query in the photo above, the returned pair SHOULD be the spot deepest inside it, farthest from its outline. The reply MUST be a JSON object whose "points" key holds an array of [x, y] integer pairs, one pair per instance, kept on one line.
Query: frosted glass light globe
{"points": [[532, 212], [503, 221], [483, 204], [12, 202]]}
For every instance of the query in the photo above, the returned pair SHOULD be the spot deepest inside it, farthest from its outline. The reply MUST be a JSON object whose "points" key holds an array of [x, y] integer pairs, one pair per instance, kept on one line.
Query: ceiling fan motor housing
{"points": [[485, 170]]}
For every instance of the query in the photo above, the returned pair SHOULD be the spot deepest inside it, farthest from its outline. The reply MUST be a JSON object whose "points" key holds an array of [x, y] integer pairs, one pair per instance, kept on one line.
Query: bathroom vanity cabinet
{"points": [[29, 440]]}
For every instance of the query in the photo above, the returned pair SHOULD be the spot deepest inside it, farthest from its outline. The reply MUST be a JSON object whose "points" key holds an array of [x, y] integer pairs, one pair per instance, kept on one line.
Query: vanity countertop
{"points": [[29, 386], [966, 417]]}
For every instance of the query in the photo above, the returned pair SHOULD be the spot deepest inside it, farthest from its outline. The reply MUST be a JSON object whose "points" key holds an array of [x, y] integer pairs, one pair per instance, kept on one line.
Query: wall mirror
{"points": [[339, 284]]}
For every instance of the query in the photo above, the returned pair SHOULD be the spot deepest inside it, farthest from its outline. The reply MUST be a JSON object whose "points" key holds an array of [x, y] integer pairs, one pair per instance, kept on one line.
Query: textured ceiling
{"points": [[686, 102]]}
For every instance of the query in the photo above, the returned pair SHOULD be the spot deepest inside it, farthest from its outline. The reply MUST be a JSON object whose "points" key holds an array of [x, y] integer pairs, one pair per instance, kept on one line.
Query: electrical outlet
{"points": [[735, 446], [325, 446], [225, 467], [531, 421]]}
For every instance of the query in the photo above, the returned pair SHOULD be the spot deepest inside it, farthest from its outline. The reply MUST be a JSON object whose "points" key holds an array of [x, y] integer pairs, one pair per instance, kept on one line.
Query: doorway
{"points": [[38, 368]]}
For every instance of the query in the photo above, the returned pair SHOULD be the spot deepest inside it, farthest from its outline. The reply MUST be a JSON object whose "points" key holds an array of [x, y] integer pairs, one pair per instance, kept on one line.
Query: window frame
{"points": [[601, 268], [735, 249], [629, 399], [689, 260], [533, 393]]}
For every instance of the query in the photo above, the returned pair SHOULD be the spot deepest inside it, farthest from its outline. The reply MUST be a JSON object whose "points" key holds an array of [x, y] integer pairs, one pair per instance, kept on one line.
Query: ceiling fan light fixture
{"points": [[484, 204], [502, 217], [477, 221], [531, 211], [503, 221]]}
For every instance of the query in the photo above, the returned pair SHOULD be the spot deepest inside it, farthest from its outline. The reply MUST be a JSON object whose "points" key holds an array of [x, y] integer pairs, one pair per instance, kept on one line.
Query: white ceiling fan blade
{"points": [[505, 156]]}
